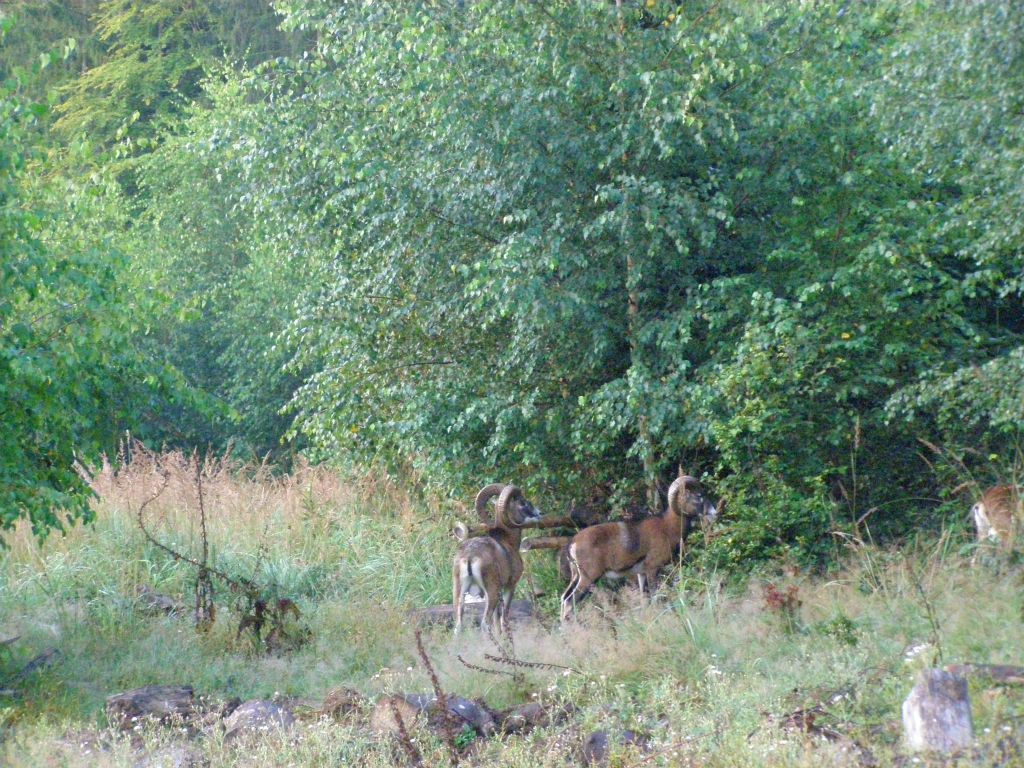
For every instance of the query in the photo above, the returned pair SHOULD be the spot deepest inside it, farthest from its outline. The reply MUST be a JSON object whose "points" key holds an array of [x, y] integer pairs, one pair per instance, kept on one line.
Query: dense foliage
{"points": [[69, 374], [579, 243]]}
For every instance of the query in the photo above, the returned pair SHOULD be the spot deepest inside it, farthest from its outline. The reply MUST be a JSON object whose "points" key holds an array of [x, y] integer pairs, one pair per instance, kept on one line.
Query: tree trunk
{"points": [[633, 293]]}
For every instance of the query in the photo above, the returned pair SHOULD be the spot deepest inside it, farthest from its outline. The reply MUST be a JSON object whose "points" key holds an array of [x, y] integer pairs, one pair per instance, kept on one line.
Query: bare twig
{"points": [[415, 758], [244, 586], [442, 702], [477, 668], [929, 610], [527, 664]]}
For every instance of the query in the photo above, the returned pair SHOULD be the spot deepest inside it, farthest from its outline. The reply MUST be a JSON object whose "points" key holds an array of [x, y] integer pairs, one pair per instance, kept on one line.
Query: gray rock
{"points": [[937, 713], [151, 601], [412, 706], [257, 716], [162, 703], [473, 713], [526, 717]]}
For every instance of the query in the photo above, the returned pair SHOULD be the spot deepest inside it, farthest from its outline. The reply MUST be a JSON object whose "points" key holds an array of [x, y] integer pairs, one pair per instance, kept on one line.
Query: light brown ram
{"points": [[491, 565], [639, 547], [998, 517]]}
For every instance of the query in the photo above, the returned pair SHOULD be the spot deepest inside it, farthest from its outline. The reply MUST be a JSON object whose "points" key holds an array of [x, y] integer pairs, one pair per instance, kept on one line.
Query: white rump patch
{"points": [[985, 528]]}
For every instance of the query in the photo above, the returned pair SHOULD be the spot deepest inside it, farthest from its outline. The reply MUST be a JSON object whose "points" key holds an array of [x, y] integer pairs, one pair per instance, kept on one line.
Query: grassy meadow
{"points": [[715, 672]]}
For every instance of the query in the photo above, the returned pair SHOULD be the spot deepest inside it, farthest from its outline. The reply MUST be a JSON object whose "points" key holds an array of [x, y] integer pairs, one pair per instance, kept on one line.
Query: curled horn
{"points": [[680, 483], [673, 493], [486, 494], [501, 506]]}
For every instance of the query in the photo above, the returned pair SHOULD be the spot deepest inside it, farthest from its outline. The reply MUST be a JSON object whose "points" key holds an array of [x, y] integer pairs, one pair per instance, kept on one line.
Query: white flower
{"points": [[915, 650]]}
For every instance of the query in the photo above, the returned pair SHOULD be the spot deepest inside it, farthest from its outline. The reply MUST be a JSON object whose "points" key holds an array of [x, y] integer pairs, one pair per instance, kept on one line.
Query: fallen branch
{"points": [[527, 664], [477, 668], [462, 531], [544, 542], [45, 659], [1004, 674]]}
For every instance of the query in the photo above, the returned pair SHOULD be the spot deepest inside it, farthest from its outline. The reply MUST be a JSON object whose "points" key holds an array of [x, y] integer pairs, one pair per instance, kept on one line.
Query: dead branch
{"points": [[415, 758], [461, 531], [1004, 674], [544, 542]]}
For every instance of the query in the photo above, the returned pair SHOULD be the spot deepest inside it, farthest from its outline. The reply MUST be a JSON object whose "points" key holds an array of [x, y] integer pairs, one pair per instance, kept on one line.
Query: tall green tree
{"points": [[578, 244], [39, 27], [157, 52], [955, 117], [70, 376]]}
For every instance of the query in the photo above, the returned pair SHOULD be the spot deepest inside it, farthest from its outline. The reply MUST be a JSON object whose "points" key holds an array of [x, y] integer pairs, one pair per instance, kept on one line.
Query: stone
{"points": [[598, 746], [415, 707], [526, 717], [258, 716], [937, 713], [151, 601], [473, 713], [160, 703], [383, 720], [341, 702]]}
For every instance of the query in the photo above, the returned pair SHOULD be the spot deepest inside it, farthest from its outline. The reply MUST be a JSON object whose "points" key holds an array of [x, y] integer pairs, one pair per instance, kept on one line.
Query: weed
{"points": [[784, 605]]}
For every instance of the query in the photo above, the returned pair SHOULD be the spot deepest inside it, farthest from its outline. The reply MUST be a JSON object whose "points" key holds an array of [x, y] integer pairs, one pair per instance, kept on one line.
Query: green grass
{"points": [[707, 671]]}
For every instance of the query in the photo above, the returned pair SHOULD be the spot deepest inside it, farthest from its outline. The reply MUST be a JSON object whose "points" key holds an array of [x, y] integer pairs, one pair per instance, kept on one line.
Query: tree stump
{"points": [[937, 713]]}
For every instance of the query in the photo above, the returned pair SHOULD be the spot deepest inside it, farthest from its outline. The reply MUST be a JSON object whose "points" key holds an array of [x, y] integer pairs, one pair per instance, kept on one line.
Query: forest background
{"points": [[569, 244]]}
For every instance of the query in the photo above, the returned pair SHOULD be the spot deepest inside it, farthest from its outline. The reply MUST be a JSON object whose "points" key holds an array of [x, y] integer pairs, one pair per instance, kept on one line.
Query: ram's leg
{"points": [[648, 579], [457, 597], [487, 621], [567, 596], [579, 593], [506, 610]]}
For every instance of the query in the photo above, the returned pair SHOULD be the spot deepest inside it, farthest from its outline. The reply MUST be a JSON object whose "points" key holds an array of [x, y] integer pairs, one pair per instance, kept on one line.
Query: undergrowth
{"points": [[709, 671]]}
